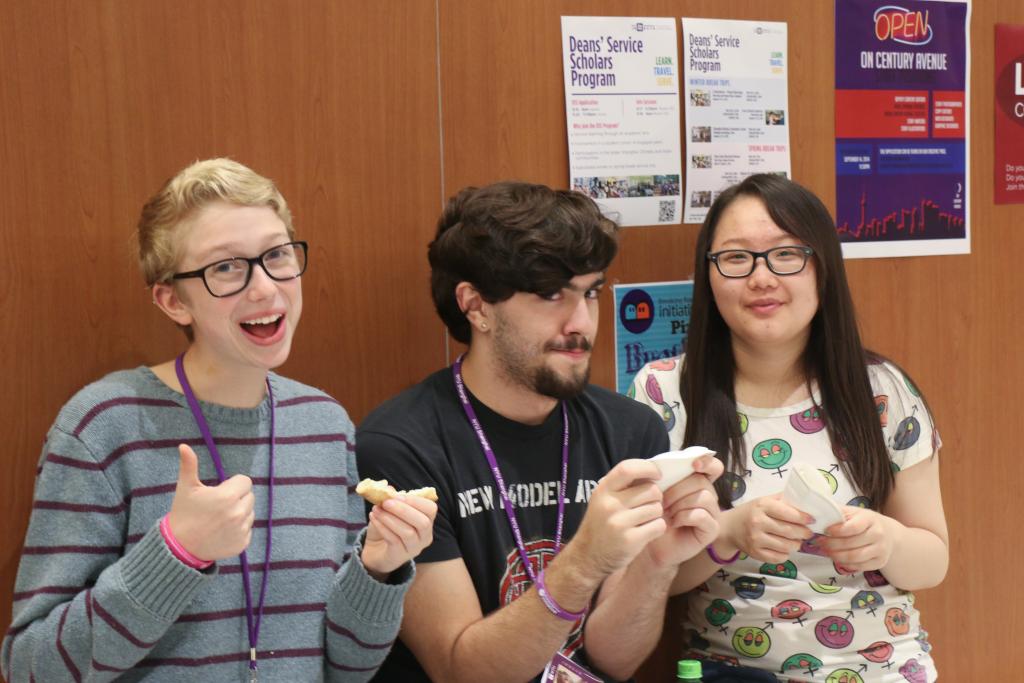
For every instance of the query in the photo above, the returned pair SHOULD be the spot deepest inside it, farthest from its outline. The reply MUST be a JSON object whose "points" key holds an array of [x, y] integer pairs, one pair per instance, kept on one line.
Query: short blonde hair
{"points": [[183, 196]]}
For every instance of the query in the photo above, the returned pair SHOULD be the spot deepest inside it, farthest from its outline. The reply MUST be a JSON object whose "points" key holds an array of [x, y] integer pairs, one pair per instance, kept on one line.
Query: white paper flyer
{"points": [[622, 115], [736, 106]]}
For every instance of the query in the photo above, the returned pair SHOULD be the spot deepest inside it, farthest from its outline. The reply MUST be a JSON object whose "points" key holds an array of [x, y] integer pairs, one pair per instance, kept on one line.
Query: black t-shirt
{"points": [[422, 438]]}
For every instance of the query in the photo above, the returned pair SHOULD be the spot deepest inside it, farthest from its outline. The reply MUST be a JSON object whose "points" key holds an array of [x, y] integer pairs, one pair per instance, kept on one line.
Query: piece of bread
{"points": [[427, 492], [378, 490]]}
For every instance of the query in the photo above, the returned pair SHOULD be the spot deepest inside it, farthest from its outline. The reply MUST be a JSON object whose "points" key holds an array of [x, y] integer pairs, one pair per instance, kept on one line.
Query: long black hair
{"points": [[834, 356]]}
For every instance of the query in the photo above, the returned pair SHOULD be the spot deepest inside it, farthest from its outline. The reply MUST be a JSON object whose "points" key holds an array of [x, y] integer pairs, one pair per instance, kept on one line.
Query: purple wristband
{"points": [[554, 607], [718, 560]]}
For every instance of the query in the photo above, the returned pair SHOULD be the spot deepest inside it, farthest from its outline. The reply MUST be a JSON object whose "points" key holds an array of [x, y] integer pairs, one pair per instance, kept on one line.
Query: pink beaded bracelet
{"points": [[178, 550]]}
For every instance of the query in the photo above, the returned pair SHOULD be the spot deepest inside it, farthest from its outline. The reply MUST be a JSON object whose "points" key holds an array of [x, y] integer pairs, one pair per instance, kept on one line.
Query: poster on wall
{"points": [[736, 106], [902, 118], [650, 325], [1009, 128], [622, 116]]}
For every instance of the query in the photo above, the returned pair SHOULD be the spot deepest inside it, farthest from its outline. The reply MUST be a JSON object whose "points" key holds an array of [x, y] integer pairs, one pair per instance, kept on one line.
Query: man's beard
{"points": [[541, 379], [547, 382]]}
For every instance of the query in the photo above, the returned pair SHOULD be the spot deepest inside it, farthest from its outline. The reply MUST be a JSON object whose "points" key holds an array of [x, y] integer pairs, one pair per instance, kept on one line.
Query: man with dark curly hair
{"points": [[553, 545]]}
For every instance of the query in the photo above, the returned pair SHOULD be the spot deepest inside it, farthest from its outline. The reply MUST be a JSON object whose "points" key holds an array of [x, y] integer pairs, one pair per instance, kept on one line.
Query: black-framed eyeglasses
{"points": [[230, 276], [785, 260]]}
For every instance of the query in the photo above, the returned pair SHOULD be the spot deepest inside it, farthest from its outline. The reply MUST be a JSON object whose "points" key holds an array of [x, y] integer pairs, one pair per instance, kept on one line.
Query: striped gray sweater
{"points": [[98, 594]]}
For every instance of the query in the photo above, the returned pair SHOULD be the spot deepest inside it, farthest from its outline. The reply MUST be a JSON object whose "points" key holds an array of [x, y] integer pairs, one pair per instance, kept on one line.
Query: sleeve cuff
{"points": [[372, 600], [159, 581]]}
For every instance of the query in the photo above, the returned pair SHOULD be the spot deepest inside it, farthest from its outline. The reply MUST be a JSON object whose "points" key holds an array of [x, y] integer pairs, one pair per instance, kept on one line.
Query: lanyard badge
{"points": [[560, 669], [485, 445], [252, 620]]}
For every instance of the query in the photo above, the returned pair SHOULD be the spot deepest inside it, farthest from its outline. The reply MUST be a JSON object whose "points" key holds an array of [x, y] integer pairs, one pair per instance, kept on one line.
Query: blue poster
{"points": [[650, 324]]}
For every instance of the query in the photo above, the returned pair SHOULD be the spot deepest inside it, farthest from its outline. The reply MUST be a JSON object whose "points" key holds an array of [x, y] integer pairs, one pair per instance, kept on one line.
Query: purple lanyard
{"points": [[253, 625], [460, 388]]}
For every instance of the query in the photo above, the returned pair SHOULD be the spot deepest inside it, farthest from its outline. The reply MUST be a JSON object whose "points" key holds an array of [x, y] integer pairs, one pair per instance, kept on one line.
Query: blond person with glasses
{"points": [[775, 379], [196, 520]]}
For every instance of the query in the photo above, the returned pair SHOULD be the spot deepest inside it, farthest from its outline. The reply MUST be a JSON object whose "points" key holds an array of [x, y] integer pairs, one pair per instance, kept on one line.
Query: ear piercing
{"points": [[483, 326]]}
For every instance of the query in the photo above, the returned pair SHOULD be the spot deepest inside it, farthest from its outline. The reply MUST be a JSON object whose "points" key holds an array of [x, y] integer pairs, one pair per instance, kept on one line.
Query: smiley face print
{"points": [[772, 454], [751, 641], [897, 623], [719, 612], [844, 676], [808, 421], [834, 632]]}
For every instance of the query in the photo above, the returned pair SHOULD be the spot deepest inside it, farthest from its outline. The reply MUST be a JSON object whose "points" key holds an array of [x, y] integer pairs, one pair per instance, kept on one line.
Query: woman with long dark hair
{"points": [[775, 379]]}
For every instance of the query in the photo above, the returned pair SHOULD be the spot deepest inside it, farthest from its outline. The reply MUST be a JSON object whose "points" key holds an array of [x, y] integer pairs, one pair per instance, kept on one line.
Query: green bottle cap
{"points": [[688, 669]]}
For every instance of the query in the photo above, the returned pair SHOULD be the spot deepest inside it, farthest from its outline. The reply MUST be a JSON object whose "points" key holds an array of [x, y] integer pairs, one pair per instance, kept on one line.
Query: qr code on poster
{"points": [[666, 211]]}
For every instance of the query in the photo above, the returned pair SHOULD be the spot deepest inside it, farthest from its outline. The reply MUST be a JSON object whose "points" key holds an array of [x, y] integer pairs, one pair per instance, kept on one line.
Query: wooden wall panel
{"points": [[339, 103], [102, 101], [950, 320]]}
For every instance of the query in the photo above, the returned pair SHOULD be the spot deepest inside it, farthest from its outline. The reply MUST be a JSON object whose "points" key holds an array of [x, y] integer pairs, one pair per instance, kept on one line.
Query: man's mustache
{"points": [[574, 343]]}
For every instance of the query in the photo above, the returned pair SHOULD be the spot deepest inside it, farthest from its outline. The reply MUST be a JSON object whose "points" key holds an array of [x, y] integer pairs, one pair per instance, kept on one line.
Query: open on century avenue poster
{"points": [[901, 127]]}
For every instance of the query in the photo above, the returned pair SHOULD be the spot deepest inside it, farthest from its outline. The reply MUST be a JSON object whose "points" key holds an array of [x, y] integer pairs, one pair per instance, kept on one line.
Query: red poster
{"points": [[1009, 140]]}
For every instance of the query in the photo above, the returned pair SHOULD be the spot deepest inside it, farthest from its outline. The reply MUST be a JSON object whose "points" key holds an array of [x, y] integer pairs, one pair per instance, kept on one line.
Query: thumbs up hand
{"points": [[211, 522]]}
